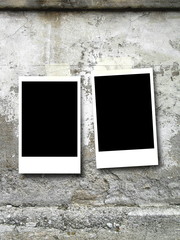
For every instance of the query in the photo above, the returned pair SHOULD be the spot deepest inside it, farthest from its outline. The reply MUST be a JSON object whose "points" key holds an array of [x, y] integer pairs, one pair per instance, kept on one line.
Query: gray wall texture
{"points": [[89, 4], [130, 203]]}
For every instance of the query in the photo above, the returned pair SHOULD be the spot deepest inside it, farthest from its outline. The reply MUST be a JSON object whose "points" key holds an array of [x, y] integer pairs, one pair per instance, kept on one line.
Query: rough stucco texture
{"points": [[38, 43]]}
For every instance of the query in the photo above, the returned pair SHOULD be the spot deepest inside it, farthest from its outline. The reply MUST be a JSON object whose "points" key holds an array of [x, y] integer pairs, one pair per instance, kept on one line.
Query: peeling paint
{"points": [[78, 43], [167, 129], [8, 98]]}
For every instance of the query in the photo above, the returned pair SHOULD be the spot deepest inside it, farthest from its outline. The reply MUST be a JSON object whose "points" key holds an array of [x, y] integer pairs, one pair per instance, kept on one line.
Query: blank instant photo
{"points": [[49, 125], [124, 119]]}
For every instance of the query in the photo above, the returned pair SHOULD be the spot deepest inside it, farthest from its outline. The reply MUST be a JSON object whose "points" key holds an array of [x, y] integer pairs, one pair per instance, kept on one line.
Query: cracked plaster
{"points": [[36, 44]]}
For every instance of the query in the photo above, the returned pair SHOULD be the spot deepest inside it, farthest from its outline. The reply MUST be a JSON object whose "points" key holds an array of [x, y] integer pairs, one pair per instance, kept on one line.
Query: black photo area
{"points": [[124, 112], [49, 119]]}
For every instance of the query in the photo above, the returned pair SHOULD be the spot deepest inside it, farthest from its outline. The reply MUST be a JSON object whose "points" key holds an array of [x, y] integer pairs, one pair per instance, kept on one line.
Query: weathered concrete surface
{"points": [[89, 223], [89, 4], [83, 41], [39, 43]]}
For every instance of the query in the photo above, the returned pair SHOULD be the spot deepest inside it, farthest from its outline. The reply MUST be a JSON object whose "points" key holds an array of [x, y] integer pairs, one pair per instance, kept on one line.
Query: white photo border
{"points": [[50, 165], [125, 158]]}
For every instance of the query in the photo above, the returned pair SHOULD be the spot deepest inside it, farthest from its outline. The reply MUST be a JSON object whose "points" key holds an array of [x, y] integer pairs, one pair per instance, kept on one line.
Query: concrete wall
{"points": [[130, 203], [89, 4]]}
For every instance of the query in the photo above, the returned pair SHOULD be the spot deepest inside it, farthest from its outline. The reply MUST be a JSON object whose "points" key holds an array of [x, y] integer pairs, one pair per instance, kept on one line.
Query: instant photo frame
{"points": [[124, 118], [49, 125]]}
